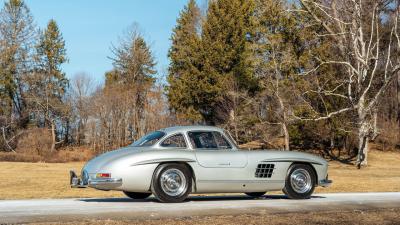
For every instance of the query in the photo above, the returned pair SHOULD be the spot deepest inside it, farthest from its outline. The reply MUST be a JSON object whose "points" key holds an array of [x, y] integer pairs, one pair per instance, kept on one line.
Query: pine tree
{"points": [[133, 59], [48, 83], [183, 71], [134, 68], [278, 59], [51, 55], [17, 32], [227, 35], [206, 70]]}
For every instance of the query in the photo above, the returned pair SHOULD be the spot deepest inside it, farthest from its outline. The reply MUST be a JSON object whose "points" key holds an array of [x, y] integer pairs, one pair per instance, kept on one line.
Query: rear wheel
{"points": [[172, 182], [255, 194], [300, 182], [137, 195]]}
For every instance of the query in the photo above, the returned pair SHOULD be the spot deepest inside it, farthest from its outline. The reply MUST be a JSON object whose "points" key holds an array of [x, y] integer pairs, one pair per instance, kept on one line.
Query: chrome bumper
{"points": [[100, 183], [105, 184], [325, 183]]}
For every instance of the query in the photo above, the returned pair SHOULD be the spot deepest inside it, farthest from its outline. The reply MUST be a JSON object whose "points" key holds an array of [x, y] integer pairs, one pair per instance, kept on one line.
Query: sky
{"points": [[89, 27]]}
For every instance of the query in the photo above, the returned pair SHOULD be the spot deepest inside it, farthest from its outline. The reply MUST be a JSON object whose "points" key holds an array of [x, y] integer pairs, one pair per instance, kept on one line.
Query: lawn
{"points": [[51, 180], [365, 217]]}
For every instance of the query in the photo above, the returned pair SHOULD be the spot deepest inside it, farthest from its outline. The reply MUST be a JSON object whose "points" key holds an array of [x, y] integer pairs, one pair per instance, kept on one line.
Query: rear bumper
{"points": [[325, 183], [99, 183], [105, 184]]}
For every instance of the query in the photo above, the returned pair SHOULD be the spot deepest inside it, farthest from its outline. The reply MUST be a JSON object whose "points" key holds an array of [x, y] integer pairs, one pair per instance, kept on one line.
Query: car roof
{"points": [[190, 128]]}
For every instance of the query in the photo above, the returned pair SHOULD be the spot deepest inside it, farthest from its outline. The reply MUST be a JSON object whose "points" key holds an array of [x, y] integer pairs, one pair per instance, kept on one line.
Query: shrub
{"points": [[36, 142]]}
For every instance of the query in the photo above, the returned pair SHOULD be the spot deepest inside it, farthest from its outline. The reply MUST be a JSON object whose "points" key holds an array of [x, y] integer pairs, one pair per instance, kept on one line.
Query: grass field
{"points": [[364, 217], [51, 180]]}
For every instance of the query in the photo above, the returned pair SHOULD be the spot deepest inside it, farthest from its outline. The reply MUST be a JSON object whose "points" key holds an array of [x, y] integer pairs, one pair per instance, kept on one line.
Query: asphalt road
{"points": [[49, 210]]}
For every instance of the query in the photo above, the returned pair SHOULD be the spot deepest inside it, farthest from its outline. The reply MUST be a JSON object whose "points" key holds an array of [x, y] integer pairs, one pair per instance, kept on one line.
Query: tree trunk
{"points": [[232, 115], [78, 133], [363, 134], [286, 136], [362, 151], [398, 108], [53, 136], [398, 100], [66, 137]]}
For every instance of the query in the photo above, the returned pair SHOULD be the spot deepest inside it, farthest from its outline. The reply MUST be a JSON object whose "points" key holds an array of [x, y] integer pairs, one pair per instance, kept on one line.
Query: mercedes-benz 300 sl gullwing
{"points": [[173, 162]]}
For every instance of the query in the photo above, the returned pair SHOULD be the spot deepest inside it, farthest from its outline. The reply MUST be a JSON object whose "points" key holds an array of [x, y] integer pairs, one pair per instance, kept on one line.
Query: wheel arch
{"points": [[185, 163], [309, 164]]}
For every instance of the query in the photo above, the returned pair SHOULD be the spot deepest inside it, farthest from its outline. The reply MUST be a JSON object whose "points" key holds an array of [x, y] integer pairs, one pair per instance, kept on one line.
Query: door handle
{"points": [[224, 164]]}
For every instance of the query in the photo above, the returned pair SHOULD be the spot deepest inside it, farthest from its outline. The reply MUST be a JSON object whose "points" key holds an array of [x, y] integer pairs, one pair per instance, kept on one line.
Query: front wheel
{"points": [[172, 182], [137, 195], [300, 181]]}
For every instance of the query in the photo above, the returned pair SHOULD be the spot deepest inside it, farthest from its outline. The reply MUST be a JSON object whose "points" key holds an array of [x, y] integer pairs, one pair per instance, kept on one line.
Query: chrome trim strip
{"points": [[292, 160], [106, 181], [162, 160], [241, 181]]}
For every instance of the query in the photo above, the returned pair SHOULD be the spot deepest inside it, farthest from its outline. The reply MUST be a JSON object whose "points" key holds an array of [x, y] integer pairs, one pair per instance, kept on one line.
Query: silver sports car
{"points": [[173, 162]]}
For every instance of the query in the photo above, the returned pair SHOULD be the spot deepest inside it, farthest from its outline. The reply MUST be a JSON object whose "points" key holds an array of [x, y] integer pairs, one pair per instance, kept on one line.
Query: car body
{"points": [[203, 159]]}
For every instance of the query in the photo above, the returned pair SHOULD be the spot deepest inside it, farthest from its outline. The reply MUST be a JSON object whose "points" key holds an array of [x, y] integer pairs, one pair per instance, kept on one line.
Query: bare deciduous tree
{"points": [[369, 58], [81, 90]]}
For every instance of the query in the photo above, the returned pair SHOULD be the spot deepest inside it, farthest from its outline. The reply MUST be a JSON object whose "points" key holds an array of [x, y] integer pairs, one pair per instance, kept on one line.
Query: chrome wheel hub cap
{"points": [[173, 182], [300, 180]]}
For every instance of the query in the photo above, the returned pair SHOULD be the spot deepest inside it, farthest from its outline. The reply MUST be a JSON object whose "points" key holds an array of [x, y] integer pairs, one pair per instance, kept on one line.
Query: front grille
{"points": [[264, 170]]}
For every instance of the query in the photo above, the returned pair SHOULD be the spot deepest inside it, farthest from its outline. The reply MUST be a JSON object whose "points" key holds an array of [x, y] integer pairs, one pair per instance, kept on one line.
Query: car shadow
{"points": [[239, 197], [150, 199], [195, 198]]}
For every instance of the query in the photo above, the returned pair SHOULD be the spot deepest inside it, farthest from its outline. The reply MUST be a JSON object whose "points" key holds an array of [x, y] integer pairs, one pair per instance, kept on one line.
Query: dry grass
{"points": [[50, 180], [381, 216], [68, 154], [42, 180], [381, 175]]}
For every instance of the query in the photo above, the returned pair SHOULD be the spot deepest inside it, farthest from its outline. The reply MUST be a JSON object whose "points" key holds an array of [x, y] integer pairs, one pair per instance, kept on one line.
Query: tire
{"points": [[136, 195], [300, 182], [255, 194], [171, 183]]}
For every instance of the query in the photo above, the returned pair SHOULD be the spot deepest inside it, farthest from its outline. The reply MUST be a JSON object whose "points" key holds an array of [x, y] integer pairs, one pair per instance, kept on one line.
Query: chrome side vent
{"points": [[264, 170]]}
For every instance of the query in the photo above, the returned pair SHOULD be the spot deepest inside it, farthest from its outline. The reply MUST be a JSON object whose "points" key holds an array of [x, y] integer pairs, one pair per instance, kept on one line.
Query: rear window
{"points": [[149, 139]]}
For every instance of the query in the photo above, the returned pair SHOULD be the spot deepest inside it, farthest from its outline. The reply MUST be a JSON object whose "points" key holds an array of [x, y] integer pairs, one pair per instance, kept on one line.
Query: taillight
{"points": [[103, 175]]}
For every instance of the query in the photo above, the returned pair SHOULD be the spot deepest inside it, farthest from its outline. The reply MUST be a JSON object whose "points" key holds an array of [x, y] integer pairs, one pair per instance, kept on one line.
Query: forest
{"points": [[306, 75]]}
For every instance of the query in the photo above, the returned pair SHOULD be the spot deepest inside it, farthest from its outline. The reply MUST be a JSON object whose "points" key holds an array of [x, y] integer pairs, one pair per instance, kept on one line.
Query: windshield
{"points": [[149, 139]]}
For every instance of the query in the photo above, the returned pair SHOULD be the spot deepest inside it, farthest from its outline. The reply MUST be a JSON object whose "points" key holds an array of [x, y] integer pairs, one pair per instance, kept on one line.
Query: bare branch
{"points": [[329, 115], [331, 62]]}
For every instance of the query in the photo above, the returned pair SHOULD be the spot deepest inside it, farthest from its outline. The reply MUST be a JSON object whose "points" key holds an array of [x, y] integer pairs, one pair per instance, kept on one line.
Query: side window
{"points": [[175, 141], [202, 139], [221, 141]]}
